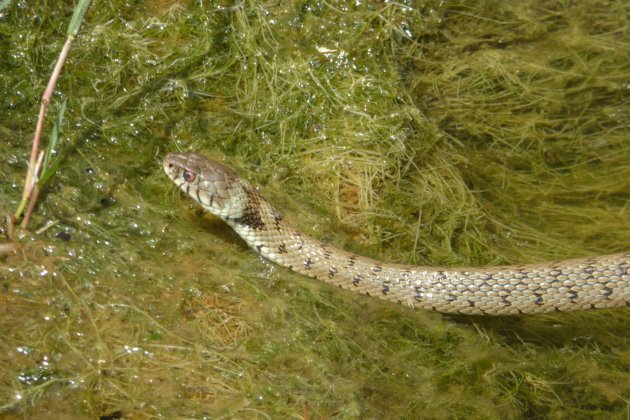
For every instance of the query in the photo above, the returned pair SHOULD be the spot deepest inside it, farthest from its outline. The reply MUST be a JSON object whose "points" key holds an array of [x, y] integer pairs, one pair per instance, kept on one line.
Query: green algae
{"points": [[442, 132]]}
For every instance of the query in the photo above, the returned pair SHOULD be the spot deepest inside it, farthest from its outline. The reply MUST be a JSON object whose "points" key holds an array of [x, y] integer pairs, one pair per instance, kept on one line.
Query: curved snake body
{"points": [[586, 283]]}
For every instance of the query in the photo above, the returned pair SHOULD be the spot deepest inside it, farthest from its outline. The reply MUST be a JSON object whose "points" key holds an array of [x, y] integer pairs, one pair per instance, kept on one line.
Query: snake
{"points": [[567, 285]]}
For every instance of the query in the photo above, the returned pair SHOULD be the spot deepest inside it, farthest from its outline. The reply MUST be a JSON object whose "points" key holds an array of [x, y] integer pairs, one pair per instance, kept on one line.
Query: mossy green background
{"points": [[434, 132]]}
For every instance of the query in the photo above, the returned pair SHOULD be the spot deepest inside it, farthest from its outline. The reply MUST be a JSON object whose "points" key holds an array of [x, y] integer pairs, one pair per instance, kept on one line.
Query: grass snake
{"points": [[575, 284]]}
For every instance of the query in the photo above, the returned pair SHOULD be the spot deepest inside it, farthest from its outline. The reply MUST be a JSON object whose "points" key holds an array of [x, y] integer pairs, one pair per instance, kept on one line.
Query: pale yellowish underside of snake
{"points": [[584, 283]]}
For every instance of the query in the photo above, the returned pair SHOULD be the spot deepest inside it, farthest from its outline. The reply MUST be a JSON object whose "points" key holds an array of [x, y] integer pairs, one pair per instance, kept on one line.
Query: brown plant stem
{"points": [[30, 184]]}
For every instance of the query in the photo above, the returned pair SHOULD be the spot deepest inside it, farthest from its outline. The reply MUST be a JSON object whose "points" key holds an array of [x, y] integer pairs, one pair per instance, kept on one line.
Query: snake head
{"points": [[213, 185]]}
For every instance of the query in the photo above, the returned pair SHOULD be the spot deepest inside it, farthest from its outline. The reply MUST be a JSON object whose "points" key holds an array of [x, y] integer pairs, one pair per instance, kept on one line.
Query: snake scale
{"points": [[575, 284]]}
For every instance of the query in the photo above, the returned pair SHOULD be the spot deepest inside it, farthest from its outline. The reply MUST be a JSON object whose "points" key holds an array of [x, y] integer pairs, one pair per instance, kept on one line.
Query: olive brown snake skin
{"points": [[585, 283]]}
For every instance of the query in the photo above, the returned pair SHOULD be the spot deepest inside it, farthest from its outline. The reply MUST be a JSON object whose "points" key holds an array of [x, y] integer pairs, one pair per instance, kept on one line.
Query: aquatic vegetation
{"points": [[435, 132]]}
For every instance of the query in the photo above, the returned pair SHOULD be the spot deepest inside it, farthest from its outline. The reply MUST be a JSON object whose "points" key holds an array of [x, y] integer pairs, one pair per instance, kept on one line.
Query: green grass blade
{"points": [[54, 135], [49, 170], [77, 17], [4, 3]]}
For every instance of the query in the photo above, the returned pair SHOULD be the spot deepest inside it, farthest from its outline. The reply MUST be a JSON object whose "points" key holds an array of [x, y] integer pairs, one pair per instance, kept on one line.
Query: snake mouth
{"points": [[173, 163]]}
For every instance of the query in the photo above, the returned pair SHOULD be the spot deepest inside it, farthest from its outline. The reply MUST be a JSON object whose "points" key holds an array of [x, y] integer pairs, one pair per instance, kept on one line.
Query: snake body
{"points": [[575, 284]]}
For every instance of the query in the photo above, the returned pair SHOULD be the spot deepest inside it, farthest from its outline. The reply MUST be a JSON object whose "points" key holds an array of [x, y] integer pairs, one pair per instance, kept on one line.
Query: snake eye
{"points": [[189, 176]]}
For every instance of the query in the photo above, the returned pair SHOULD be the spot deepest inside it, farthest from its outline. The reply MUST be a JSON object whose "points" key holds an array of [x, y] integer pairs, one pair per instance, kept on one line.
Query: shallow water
{"points": [[445, 133]]}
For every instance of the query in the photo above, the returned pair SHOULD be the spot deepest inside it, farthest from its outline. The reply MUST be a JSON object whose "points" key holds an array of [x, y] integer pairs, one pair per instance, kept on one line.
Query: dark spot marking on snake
{"points": [[377, 268], [251, 213], [332, 272], [404, 276], [607, 291], [308, 263], [258, 248], [211, 199], [385, 289], [471, 303], [198, 196], [277, 218], [327, 253], [188, 189], [351, 260], [356, 279], [282, 248]]}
